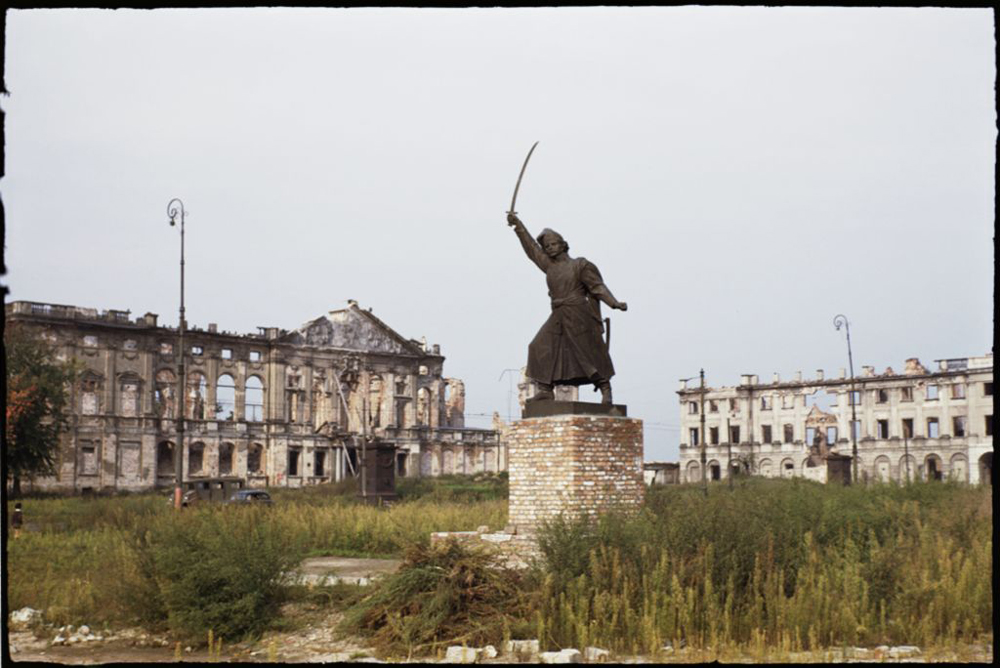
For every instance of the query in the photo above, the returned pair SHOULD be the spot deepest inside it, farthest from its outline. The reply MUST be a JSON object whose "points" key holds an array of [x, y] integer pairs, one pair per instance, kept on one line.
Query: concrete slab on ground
{"points": [[344, 570]]}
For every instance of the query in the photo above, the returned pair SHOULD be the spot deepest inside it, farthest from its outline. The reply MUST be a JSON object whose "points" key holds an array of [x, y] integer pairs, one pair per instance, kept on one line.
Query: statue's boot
{"points": [[544, 393], [605, 388]]}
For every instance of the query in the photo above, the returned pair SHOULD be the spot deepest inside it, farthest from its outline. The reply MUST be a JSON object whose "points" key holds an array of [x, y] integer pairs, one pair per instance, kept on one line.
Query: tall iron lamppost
{"points": [[838, 321], [173, 211]]}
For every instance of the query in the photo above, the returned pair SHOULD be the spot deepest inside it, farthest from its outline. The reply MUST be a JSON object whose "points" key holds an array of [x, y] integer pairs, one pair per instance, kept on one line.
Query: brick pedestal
{"points": [[575, 465]]}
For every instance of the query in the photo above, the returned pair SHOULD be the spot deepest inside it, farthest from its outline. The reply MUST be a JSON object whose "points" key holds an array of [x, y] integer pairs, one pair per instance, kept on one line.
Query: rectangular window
{"points": [[933, 430], [959, 426], [293, 461], [958, 391], [854, 398], [831, 435], [906, 394], [226, 354], [166, 348], [197, 351], [319, 459], [856, 429], [130, 344], [987, 389], [713, 406], [88, 458], [788, 401], [734, 405], [734, 434], [882, 428], [765, 403], [989, 425], [907, 427], [932, 392], [254, 356], [881, 396], [765, 433], [713, 434], [694, 435], [90, 341], [789, 433], [693, 407], [810, 435]]}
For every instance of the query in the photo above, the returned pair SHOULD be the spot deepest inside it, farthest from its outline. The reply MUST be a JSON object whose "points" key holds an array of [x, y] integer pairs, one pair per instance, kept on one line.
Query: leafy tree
{"points": [[37, 385]]}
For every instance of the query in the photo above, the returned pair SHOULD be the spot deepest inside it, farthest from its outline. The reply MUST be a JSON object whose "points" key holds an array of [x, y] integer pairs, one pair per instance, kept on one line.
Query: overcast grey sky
{"points": [[739, 175]]}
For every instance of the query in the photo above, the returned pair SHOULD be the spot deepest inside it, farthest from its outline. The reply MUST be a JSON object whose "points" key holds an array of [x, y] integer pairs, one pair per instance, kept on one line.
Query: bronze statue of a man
{"points": [[569, 348]]}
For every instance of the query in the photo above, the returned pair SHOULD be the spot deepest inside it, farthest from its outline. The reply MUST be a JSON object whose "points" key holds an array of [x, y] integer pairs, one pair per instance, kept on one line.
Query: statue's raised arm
{"points": [[531, 247]]}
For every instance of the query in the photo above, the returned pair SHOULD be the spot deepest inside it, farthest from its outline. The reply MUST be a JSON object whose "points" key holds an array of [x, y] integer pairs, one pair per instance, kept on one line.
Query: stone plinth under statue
{"points": [[581, 463]]}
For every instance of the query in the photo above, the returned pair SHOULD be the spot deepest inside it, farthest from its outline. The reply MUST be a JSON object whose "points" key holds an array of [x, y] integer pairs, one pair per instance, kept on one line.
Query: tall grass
{"points": [[780, 564]]}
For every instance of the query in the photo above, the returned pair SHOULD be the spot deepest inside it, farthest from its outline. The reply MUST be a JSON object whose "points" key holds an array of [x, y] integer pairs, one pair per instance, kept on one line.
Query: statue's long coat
{"points": [[569, 348]]}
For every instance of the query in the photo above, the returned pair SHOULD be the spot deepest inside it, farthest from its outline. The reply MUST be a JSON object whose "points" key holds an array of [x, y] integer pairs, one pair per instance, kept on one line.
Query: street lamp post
{"points": [[701, 434], [173, 211], [838, 321], [510, 390]]}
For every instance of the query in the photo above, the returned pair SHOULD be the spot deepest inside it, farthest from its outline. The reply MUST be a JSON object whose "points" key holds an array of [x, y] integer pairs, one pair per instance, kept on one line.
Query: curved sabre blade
{"points": [[519, 176]]}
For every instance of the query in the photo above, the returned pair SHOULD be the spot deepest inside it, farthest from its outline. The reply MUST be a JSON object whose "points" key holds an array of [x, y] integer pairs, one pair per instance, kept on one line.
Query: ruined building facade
{"points": [[917, 424], [277, 408]]}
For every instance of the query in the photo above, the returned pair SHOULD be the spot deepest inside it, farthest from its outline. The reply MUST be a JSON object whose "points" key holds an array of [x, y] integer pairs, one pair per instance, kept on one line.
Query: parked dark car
{"points": [[251, 496]]}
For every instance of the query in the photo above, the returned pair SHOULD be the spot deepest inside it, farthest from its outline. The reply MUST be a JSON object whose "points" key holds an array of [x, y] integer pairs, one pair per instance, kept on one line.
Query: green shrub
{"points": [[218, 569]]}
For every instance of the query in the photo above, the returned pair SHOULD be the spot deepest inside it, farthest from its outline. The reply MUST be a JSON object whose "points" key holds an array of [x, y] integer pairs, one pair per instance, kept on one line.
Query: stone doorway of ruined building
{"points": [[986, 469]]}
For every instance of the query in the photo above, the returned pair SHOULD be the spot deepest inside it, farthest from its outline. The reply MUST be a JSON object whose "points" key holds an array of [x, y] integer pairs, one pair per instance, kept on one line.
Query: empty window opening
{"points": [[130, 344], [163, 393], [959, 426], [789, 433], [932, 392], [831, 435], [165, 458], [734, 405], [882, 428], [854, 398], [713, 435], [713, 406], [196, 393], [226, 459], [166, 348], [788, 401], [765, 433], [225, 398], [197, 351], [856, 429], [882, 396], [401, 463], [254, 355], [255, 458], [693, 432], [907, 427], [810, 435], [693, 407], [254, 399], [226, 354], [958, 391], [987, 389], [989, 425], [933, 468], [716, 471], [319, 463], [293, 461], [90, 341], [196, 458], [906, 394], [734, 434], [933, 430], [766, 403]]}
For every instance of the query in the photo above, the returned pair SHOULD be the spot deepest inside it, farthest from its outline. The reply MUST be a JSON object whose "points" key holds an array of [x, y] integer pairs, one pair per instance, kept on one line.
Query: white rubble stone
{"points": [[24, 615], [529, 647], [459, 654], [59, 640], [490, 652], [73, 639], [901, 651], [13, 648], [568, 655], [84, 630], [596, 654]]}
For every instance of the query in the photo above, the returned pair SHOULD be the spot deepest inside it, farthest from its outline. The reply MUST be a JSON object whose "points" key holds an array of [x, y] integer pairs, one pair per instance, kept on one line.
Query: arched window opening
{"points": [[225, 398], [196, 393], [255, 458], [165, 458], [424, 406], [196, 458], [254, 399], [226, 459], [163, 393]]}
